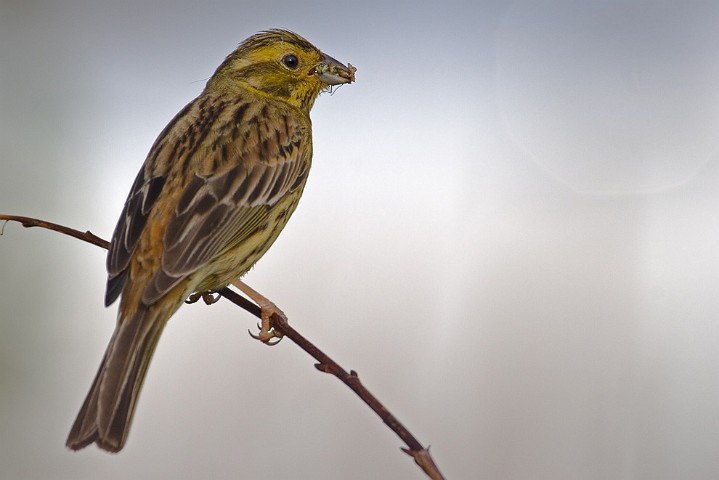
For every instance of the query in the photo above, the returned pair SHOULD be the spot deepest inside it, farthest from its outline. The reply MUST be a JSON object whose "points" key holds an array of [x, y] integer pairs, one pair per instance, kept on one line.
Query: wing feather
{"points": [[252, 160], [143, 195], [223, 209]]}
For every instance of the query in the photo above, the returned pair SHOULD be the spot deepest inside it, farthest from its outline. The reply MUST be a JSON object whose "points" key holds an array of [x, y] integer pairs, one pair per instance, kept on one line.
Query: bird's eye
{"points": [[290, 61]]}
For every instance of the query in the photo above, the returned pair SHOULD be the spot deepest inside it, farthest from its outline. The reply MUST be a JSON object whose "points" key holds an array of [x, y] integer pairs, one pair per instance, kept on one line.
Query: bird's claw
{"points": [[267, 337], [208, 297], [267, 332]]}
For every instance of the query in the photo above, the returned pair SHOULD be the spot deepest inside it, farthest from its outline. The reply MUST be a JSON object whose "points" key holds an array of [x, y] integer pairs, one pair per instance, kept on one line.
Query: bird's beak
{"points": [[332, 72]]}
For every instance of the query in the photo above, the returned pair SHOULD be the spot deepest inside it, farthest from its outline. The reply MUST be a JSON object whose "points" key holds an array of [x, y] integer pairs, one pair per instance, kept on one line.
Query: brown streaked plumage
{"points": [[216, 189]]}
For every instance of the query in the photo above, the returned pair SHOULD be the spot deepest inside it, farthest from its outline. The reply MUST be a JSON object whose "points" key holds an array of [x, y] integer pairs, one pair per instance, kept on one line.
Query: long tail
{"points": [[107, 412]]}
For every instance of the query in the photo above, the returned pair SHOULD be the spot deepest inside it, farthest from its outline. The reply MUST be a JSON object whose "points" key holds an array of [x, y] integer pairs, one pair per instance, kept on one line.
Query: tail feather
{"points": [[106, 414]]}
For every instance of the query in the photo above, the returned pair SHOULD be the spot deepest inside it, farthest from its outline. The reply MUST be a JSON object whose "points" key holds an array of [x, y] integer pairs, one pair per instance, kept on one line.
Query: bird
{"points": [[216, 189]]}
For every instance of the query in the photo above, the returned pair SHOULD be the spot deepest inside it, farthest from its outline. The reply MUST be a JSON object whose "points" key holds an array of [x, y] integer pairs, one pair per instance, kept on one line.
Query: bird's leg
{"points": [[267, 308], [208, 297]]}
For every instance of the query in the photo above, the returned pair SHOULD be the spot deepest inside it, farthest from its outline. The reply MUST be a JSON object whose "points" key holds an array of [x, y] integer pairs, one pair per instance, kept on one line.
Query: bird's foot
{"points": [[268, 333], [208, 297]]}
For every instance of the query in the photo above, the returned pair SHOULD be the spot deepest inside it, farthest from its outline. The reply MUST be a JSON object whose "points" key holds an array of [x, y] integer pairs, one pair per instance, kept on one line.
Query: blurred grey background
{"points": [[510, 231]]}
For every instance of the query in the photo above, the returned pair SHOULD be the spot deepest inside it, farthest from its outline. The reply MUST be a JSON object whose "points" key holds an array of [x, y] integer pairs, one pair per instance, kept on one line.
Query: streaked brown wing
{"points": [[248, 165], [224, 209], [142, 197]]}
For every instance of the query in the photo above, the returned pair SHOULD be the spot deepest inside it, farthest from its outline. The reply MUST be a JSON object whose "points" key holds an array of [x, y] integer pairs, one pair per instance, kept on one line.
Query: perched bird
{"points": [[216, 189]]}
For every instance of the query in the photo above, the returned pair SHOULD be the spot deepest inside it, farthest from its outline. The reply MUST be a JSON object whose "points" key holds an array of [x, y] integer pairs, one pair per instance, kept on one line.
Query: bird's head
{"points": [[283, 66]]}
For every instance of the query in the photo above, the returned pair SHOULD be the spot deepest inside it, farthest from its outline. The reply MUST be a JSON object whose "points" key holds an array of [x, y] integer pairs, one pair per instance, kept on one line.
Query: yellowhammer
{"points": [[216, 189]]}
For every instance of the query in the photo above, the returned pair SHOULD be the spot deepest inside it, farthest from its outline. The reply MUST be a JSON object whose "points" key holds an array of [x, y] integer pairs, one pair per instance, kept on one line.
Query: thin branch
{"points": [[28, 222], [415, 449], [420, 454]]}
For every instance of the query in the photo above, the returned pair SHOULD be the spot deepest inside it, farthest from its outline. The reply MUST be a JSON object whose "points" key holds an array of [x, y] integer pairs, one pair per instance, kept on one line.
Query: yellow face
{"points": [[284, 66]]}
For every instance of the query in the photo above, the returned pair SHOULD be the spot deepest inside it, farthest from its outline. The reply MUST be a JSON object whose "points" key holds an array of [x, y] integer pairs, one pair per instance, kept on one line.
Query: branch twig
{"points": [[415, 449], [28, 222]]}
